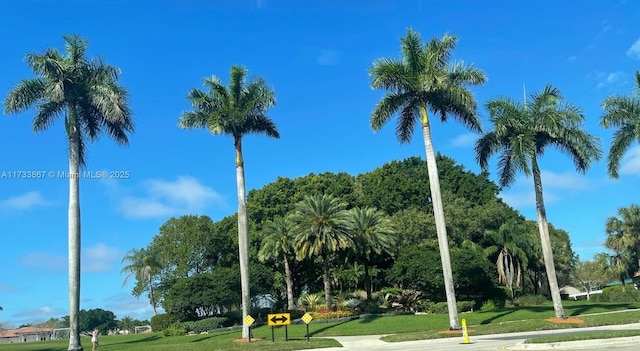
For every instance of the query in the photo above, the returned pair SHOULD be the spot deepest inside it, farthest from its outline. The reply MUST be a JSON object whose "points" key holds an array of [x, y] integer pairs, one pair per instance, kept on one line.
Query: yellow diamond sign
{"points": [[248, 320], [307, 318]]}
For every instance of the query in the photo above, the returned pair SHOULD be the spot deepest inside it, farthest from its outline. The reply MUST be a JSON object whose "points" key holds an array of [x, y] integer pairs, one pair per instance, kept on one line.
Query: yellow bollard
{"points": [[465, 332]]}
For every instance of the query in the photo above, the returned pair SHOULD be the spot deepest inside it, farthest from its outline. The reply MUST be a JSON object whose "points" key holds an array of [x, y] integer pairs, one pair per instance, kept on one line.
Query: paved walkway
{"points": [[509, 342]]}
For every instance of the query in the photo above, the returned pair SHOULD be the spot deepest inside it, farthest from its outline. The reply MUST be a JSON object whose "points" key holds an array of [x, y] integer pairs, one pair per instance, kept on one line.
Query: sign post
{"points": [[279, 319], [307, 318], [248, 321]]}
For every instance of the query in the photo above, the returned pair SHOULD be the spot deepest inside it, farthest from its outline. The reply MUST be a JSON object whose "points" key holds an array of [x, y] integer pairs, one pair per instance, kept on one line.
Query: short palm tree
{"points": [[238, 110], [373, 234], [422, 80], [623, 113], [277, 243], [86, 92], [509, 242], [623, 238], [521, 134], [144, 265], [321, 231]]}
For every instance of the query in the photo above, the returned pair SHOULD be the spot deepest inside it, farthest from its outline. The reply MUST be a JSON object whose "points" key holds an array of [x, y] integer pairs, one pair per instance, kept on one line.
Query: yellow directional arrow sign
{"points": [[279, 319]]}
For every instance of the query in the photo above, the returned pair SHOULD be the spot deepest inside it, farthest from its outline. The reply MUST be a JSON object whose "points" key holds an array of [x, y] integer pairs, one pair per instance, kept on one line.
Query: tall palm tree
{"points": [[521, 133], [277, 243], [509, 242], [422, 80], [623, 113], [238, 110], [373, 234], [86, 92], [142, 264], [321, 231]]}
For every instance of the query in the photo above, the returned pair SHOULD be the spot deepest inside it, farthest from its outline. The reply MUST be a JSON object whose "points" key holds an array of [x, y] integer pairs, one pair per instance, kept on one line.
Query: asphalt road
{"points": [[506, 342]]}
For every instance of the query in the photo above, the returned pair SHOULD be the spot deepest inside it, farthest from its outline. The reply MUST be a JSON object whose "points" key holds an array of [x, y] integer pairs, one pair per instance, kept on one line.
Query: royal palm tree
{"points": [[509, 242], [277, 243], [521, 133], [373, 234], [238, 110], [144, 265], [321, 231], [623, 113], [422, 80], [87, 94]]}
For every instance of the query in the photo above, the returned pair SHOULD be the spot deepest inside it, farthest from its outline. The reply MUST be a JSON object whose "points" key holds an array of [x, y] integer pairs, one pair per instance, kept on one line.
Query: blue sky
{"points": [[316, 55]]}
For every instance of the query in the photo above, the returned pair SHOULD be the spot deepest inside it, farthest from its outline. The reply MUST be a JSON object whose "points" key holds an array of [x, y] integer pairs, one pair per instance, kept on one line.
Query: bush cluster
{"points": [[529, 300], [616, 294]]}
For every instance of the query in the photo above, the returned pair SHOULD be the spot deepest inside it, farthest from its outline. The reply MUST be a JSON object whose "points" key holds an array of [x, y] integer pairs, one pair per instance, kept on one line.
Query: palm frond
{"points": [[47, 113], [390, 74], [622, 140], [192, 120], [387, 107], [24, 95], [236, 82], [412, 51]]}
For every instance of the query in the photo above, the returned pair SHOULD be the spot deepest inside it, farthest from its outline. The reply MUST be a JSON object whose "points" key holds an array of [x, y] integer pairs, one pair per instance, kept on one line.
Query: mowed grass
{"points": [[398, 328]]}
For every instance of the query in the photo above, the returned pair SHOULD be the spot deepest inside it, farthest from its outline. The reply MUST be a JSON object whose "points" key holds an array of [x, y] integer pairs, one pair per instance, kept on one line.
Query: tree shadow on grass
{"points": [[586, 308], [315, 331], [491, 319], [149, 338]]}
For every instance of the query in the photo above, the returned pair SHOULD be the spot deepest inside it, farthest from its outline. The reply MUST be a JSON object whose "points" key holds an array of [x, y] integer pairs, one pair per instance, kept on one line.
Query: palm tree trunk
{"points": [[74, 234], [243, 237], [367, 281], [289, 281], [545, 241], [441, 229], [152, 299], [326, 281]]}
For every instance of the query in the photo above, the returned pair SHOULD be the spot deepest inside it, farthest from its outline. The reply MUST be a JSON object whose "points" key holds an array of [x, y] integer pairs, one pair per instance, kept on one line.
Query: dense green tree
{"points": [[423, 79], [97, 318], [277, 243], [321, 231], [372, 233], [204, 294], [521, 134], [143, 264], [87, 93], [623, 113], [238, 110]]}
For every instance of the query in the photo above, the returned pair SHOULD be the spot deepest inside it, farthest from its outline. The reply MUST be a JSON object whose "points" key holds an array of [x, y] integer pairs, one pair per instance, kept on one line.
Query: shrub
{"points": [[324, 314], [465, 306], [205, 325], [615, 294], [529, 300], [174, 330], [490, 306], [439, 308], [163, 321]]}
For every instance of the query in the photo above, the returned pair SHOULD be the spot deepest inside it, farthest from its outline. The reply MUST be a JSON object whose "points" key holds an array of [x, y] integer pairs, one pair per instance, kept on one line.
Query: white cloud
{"points": [[571, 58], [38, 314], [630, 163], [523, 199], [464, 140], [328, 58], [567, 180], [45, 262], [125, 304], [521, 194], [25, 201], [634, 50], [100, 258], [166, 198], [604, 79]]}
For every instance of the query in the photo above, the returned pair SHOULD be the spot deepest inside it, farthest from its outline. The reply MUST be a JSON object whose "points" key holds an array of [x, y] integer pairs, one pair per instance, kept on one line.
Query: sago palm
{"points": [[277, 243], [237, 110], [425, 80], [623, 113], [321, 231], [521, 134], [86, 94]]}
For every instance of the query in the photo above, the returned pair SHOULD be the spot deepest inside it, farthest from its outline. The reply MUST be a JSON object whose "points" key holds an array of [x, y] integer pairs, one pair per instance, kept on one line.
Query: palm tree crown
{"points": [[623, 113], [424, 78], [85, 91]]}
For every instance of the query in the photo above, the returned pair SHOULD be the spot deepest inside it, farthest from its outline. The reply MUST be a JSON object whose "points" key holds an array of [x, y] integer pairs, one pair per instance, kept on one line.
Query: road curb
{"points": [[570, 345]]}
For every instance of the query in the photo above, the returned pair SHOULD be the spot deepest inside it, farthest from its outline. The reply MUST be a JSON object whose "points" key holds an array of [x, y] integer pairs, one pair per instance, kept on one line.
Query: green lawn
{"points": [[403, 328]]}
